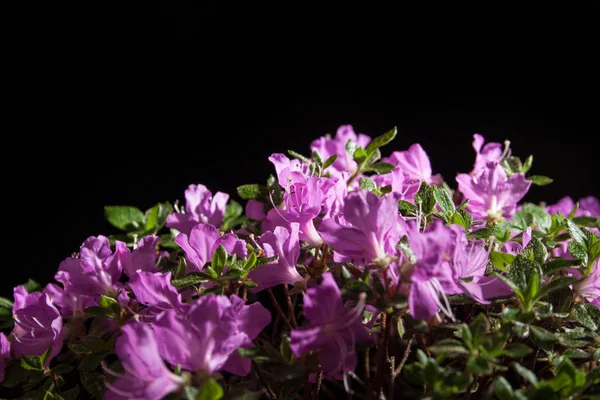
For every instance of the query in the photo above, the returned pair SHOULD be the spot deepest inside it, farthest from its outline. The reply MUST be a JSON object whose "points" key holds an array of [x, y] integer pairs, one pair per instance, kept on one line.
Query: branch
{"points": [[279, 310], [290, 306]]}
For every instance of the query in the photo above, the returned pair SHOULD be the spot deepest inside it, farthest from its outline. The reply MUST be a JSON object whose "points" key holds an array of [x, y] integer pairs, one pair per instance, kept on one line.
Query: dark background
{"points": [[91, 128], [143, 155]]}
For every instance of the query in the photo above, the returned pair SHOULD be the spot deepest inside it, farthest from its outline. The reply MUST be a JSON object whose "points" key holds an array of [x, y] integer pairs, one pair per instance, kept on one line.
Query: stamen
{"points": [[37, 322], [276, 209]]}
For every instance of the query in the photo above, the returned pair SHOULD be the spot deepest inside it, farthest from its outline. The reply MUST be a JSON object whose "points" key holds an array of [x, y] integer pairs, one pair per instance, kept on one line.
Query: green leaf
{"points": [[367, 184], [381, 140], [577, 354], [578, 251], [590, 222], [587, 315], [6, 303], [299, 156], [407, 208], [502, 389], [71, 394], [381, 168], [482, 233], [517, 350], [557, 264], [252, 192], [540, 216], [444, 200], [90, 362], [232, 212], [157, 216], [526, 374], [521, 270], [93, 383], [463, 218], [527, 164], [62, 369], [125, 218], [191, 279], [511, 284], [316, 158], [540, 180], [448, 349], [34, 363], [329, 161], [265, 260], [576, 233], [250, 284], [543, 338], [32, 286], [351, 147], [219, 259], [556, 284], [425, 197], [501, 260], [87, 345], [109, 304], [405, 248]]}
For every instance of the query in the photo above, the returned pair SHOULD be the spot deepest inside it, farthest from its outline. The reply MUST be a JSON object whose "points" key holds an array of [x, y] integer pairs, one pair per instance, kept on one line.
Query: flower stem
{"points": [[290, 306], [279, 310]]}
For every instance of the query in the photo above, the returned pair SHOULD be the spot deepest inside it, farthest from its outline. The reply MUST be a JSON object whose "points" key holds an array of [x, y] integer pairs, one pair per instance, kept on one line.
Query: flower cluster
{"points": [[346, 272]]}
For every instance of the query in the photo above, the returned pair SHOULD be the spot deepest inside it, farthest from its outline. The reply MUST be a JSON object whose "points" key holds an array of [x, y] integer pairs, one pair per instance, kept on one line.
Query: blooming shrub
{"points": [[348, 275]]}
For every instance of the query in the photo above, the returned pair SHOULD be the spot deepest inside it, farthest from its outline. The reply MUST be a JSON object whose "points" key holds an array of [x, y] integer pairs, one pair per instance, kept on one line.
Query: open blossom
{"points": [[202, 243], [210, 333], [588, 207], [589, 286], [143, 257], [403, 186], [4, 353], [490, 152], [369, 228], [469, 264], [156, 292], [38, 325], [303, 201], [286, 245], [415, 163], [492, 194], [432, 277], [146, 376], [344, 165], [334, 329], [514, 247], [70, 304], [97, 270], [200, 207]]}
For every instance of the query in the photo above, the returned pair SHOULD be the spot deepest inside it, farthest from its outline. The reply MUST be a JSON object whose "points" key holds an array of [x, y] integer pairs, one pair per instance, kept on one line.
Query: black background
{"points": [[98, 131]]}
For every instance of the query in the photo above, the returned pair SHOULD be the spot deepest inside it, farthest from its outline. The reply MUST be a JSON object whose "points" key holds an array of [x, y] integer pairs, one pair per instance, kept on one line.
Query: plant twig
{"points": [[279, 310], [290, 306], [319, 381], [423, 345], [367, 365], [404, 357], [377, 384], [270, 392]]}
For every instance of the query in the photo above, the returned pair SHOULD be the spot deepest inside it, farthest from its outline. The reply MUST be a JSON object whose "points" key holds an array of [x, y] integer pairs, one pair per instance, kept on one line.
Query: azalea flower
{"points": [[492, 195], [369, 228], [415, 163], [344, 165], [200, 207], [286, 245], [38, 325], [146, 376], [333, 331], [4, 353], [156, 292]]}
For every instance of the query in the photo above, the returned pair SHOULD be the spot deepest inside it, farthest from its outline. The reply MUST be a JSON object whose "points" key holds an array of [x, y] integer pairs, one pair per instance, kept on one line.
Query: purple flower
{"points": [[70, 304], [4, 353], [38, 325], [403, 186], [432, 276], [491, 152], [588, 207], [514, 247], [97, 270], [415, 163], [143, 258], [492, 195], [156, 292], [146, 376], [201, 207], [289, 170], [202, 243], [334, 330], [469, 264], [589, 286], [211, 332], [255, 210], [369, 229], [344, 165], [303, 201], [286, 245]]}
